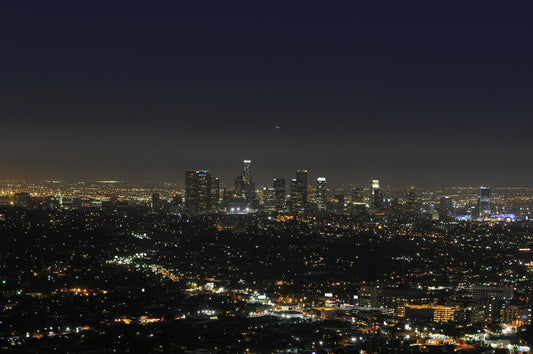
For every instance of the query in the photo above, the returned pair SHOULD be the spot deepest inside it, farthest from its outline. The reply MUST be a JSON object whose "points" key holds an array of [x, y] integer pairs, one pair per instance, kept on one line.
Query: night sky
{"points": [[411, 93]]}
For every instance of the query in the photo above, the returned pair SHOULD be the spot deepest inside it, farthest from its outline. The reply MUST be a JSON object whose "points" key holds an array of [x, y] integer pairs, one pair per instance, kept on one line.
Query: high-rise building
{"points": [[445, 207], [484, 202], [59, 198], [244, 186], [240, 189], [203, 179], [377, 195], [379, 198], [247, 175], [321, 194], [358, 195], [299, 191], [201, 191], [410, 203], [279, 191], [269, 197], [215, 193]]}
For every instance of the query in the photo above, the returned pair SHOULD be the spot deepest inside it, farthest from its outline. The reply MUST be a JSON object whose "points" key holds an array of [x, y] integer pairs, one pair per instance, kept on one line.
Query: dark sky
{"points": [[423, 93]]}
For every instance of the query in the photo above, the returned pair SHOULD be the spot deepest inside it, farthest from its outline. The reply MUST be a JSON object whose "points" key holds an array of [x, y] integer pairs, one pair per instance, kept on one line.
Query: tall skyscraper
{"points": [[299, 190], [377, 195], [321, 193], [378, 198], [247, 173], [279, 191], [59, 198], [269, 197], [244, 186], [214, 193], [191, 191], [201, 191], [484, 202], [410, 203], [445, 207]]}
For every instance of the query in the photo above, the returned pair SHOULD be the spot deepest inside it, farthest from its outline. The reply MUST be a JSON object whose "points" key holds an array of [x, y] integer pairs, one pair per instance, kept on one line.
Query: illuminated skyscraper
{"points": [[269, 195], [484, 202], [321, 192], [279, 191], [247, 175], [201, 191], [410, 203], [299, 190], [214, 193], [203, 180], [377, 195], [244, 186], [59, 198]]}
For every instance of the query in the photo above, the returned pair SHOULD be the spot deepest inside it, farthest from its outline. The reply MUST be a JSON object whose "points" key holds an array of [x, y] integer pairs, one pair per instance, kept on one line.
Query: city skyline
{"points": [[144, 92], [220, 177]]}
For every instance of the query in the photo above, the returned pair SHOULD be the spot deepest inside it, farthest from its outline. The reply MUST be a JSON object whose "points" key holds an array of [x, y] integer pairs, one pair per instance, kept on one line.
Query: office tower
{"points": [[240, 189], [215, 193], [201, 191], [191, 190], [378, 198], [203, 179], [410, 203], [270, 198], [244, 186], [358, 195], [247, 175], [376, 203], [299, 190], [321, 192], [279, 190], [484, 202], [445, 207], [59, 197]]}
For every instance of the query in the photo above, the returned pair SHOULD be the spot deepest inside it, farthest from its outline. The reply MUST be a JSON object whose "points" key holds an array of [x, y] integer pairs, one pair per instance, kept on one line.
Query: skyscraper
{"points": [[269, 197], [244, 186], [410, 203], [321, 192], [358, 195], [299, 190], [445, 207], [378, 198], [201, 191], [484, 202], [214, 193], [377, 195], [279, 191], [247, 173]]}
